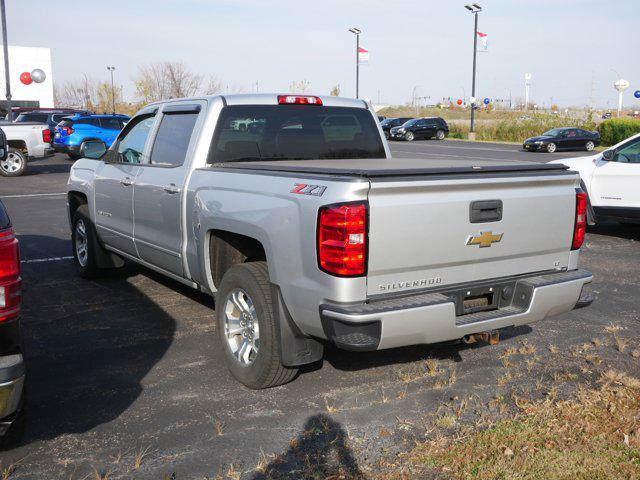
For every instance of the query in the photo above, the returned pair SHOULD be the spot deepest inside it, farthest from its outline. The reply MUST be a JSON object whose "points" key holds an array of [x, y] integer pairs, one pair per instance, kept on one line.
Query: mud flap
{"points": [[295, 348]]}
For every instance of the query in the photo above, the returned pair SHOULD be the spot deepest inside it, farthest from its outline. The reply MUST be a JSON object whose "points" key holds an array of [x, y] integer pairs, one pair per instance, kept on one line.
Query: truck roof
{"points": [[395, 167], [271, 99]]}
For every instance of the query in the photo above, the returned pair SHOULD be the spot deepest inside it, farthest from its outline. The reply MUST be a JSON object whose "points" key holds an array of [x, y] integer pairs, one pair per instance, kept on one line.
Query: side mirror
{"points": [[93, 149], [608, 155]]}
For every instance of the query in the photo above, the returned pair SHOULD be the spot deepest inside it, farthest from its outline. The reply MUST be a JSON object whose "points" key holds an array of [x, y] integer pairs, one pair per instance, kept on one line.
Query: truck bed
{"points": [[395, 167]]}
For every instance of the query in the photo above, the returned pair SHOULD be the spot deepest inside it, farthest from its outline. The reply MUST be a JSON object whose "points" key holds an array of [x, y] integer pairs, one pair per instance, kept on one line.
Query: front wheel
{"points": [[14, 165], [83, 240], [386, 135], [589, 146], [440, 135], [247, 329], [74, 156], [409, 136], [551, 147]]}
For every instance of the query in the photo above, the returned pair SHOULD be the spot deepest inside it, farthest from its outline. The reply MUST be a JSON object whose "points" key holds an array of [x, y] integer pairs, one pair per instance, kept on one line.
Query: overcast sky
{"points": [[564, 44]]}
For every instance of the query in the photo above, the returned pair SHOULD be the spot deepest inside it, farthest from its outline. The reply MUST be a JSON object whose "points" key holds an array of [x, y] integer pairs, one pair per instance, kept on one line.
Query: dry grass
{"points": [[553, 349], [594, 436], [330, 408], [620, 343], [219, 428], [432, 367], [140, 456], [7, 471]]}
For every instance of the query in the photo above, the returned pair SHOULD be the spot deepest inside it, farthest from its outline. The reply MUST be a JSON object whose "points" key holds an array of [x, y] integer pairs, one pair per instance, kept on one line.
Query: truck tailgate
{"points": [[422, 233]]}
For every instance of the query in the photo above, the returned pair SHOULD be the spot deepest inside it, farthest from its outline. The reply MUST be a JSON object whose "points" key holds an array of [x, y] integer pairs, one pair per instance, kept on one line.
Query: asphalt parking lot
{"points": [[124, 377]]}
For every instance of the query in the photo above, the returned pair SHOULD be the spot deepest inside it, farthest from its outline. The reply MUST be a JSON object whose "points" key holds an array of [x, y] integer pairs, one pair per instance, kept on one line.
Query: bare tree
{"points": [[77, 93], [106, 97], [300, 86], [213, 86], [160, 81]]}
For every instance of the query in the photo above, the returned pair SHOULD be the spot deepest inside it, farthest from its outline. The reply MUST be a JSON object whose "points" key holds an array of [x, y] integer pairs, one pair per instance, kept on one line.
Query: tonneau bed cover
{"points": [[394, 167]]}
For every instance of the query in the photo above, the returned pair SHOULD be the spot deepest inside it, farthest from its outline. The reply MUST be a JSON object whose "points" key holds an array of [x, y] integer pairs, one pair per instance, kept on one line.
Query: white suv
{"points": [[612, 181]]}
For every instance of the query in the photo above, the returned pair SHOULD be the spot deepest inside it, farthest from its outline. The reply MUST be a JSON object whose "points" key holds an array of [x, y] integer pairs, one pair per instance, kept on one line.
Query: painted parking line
{"points": [[34, 195], [460, 157], [43, 260]]}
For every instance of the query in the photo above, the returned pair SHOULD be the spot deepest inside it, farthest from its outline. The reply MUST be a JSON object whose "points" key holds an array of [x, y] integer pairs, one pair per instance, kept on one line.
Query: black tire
{"points": [[386, 135], [14, 165], [440, 135], [73, 156], [266, 369], [551, 147], [409, 136], [86, 267]]}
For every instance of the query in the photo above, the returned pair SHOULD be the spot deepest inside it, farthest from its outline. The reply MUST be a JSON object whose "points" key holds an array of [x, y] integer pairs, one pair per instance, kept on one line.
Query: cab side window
{"points": [[172, 140], [629, 153], [133, 139]]}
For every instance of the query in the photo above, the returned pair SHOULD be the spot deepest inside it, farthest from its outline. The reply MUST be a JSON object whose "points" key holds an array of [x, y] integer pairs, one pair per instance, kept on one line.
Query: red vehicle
{"points": [[12, 370]]}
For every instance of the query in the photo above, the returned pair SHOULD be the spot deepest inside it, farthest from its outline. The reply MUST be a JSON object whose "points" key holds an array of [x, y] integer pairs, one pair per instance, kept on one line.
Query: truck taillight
{"points": [[10, 282], [343, 238], [299, 100], [580, 228], [46, 135]]}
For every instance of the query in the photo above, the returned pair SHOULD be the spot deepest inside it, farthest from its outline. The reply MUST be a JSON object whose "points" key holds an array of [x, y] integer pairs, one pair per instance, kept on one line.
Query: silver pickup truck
{"points": [[291, 211]]}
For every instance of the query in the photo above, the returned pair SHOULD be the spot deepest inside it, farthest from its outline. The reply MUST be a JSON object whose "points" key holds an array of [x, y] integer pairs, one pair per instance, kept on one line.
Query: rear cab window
{"points": [[294, 132], [32, 117]]}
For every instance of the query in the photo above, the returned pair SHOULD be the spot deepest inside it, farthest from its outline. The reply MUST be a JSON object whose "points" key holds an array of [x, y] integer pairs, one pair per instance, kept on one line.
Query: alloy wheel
{"points": [[241, 327], [589, 146], [12, 163], [82, 243]]}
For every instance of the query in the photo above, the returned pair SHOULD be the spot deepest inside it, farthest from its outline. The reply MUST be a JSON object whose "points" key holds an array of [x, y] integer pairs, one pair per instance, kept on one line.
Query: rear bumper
{"points": [[431, 317], [12, 372], [66, 148]]}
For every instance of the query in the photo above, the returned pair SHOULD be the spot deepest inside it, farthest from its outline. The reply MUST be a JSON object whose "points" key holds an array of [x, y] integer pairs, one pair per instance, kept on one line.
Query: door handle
{"points": [[126, 182], [171, 188]]}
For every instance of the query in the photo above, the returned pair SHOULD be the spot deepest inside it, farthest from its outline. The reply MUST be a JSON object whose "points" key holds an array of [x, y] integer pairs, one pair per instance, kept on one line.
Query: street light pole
{"points": [[475, 9], [111, 68], [357, 32], [5, 46]]}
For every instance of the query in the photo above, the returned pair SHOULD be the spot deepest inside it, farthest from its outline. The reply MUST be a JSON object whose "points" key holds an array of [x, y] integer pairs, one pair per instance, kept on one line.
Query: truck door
{"points": [[158, 191], [114, 186], [617, 183]]}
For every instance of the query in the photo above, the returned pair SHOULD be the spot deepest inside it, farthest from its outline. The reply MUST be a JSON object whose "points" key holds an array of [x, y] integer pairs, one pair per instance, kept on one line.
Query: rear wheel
{"points": [[409, 136], [589, 146], [73, 156], [14, 165], [551, 147], [440, 135], [246, 327], [386, 135]]}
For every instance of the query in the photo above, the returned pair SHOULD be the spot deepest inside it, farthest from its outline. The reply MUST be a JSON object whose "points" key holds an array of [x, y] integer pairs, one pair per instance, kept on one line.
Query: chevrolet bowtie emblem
{"points": [[485, 239]]}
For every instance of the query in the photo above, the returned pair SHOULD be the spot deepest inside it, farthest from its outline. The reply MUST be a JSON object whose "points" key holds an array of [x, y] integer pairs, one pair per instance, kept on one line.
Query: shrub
{"points": [[617, 129]]}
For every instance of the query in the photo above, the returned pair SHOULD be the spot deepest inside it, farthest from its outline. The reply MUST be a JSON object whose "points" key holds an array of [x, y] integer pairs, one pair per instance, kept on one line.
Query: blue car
{"points": [[72, 131]]}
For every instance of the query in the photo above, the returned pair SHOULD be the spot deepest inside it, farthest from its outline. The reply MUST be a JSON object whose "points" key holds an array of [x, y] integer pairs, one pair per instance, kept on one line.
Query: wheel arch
{"points": [[225, 249], [18, 145]]}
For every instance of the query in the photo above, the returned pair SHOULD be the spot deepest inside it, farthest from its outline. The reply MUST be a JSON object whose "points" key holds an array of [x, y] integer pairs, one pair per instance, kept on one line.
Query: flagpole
{"points": [[358, 65], [473, 81], [473, 8], [357, 32]]}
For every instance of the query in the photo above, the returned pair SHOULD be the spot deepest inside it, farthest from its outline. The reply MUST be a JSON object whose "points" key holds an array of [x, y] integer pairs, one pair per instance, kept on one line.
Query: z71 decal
{"points": [[305, 189]]}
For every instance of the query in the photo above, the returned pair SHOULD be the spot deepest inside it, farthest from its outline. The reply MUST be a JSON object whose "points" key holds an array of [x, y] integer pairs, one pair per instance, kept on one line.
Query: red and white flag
{"points": [[363, 56], [483, 38]]}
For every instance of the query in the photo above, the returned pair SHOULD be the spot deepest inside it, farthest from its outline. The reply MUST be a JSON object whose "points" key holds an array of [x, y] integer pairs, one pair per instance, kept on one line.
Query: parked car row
{"points": [[40, 132]]}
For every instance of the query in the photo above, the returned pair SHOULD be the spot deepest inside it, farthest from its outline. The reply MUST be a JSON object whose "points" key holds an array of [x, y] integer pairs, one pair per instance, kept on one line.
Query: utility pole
{"points": [[357, 32], [5, 46], [527, 84], [593, 90], [475, 9], [111, 68]]}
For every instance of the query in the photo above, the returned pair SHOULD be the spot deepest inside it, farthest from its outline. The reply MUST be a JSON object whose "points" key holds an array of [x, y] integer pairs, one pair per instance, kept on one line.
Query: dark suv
{"points": [[51, 117], [431, 127], [388, 123]]}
